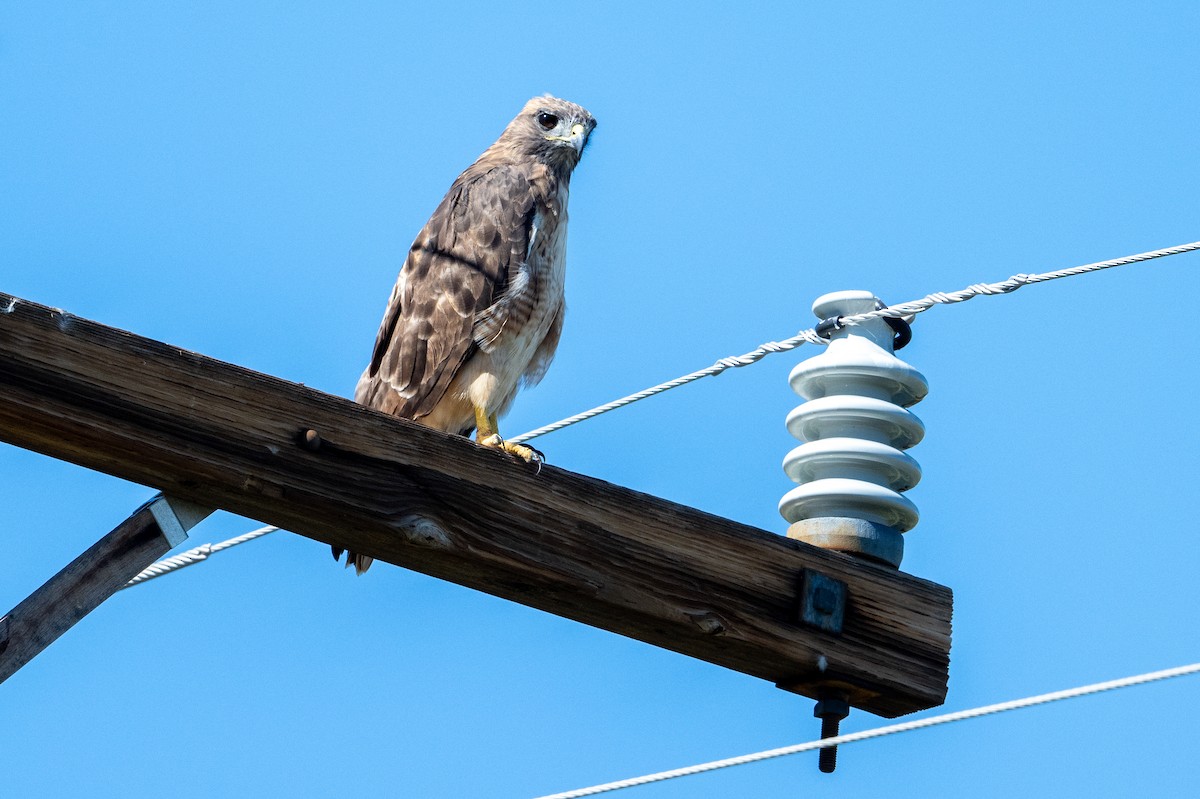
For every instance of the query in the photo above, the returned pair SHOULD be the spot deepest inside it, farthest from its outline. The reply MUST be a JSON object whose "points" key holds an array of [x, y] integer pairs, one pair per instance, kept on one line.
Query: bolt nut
{"points": [[831, 708]]}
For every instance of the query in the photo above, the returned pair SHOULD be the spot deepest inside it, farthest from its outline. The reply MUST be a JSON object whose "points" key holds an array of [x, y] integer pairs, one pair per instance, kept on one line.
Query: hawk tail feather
{"points": [[360, 562]]}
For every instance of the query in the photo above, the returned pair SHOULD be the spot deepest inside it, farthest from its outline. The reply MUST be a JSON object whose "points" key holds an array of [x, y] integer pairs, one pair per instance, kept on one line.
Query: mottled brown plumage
{"points": [[477, 309]]}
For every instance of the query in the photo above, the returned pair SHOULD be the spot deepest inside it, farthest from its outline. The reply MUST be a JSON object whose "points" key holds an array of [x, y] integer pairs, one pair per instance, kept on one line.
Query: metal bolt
{"points": [[831, 709], [310, 440], [824, 600]]}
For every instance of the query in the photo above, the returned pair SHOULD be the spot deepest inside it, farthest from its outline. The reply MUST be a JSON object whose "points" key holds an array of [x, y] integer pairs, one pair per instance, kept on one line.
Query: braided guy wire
{"points": [[809, 336], [193, 556], [879, 732]]}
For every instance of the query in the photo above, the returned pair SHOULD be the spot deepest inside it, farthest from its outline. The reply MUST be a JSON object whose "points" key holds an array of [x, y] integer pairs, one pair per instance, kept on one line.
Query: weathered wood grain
{"points": [[650, 569], [79, 589]]}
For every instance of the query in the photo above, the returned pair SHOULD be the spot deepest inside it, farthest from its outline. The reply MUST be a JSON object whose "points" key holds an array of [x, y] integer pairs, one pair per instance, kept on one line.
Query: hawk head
{"points": [[552, 130]]}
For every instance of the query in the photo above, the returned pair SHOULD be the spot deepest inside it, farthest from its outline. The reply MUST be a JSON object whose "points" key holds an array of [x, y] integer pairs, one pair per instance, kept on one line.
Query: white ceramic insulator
{"points": [[839, 497], [854, 425]]}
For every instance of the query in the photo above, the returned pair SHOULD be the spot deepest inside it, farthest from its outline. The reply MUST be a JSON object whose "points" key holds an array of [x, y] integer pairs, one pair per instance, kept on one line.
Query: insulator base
{"points": [[856, 537]]}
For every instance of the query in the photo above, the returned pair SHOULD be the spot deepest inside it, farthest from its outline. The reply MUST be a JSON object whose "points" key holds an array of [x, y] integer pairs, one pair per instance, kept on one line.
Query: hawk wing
{"points": [[451, 290]]}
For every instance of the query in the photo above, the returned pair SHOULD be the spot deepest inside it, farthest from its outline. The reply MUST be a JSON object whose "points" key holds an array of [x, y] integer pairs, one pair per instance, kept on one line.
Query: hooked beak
{"points": [[577, 138]]}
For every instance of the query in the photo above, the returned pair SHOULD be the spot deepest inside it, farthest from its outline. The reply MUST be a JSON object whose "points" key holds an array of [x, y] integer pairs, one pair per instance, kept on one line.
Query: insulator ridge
{"points": [[855, 425]]}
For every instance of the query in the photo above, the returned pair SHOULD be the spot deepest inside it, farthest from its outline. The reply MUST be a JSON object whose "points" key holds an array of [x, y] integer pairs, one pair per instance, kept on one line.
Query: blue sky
{"points": [[243, 179]]}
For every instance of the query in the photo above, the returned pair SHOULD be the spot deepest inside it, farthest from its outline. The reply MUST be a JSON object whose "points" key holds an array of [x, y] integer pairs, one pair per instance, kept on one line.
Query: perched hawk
{"points": [[477, 310]]}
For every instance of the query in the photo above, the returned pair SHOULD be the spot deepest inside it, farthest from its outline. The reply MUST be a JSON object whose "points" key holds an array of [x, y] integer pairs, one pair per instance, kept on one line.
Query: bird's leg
{"points": [[487, 434]]}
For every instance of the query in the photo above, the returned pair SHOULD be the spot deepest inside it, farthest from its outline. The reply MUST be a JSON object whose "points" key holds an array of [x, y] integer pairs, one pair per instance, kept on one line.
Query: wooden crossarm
{"points": [[227, 437]]}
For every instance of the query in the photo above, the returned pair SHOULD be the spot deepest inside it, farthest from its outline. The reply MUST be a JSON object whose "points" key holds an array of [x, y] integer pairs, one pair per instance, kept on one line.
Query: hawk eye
{"points": [[547, 121]]}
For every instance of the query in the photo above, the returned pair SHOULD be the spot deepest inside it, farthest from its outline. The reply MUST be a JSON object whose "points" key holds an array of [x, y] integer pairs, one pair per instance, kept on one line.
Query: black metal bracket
{"points": [[822, 601]]}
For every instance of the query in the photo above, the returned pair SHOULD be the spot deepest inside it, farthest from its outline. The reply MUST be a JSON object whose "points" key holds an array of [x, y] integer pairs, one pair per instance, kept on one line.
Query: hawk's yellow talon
{"points": [[527, 454]]}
